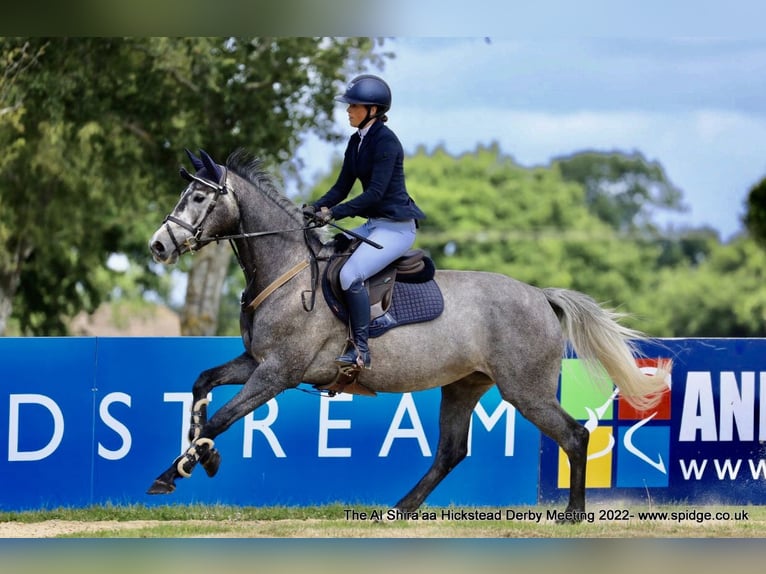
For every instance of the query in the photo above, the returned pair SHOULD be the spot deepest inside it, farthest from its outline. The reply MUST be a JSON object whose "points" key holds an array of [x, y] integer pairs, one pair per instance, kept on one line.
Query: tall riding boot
{"points": [[358, 303]]}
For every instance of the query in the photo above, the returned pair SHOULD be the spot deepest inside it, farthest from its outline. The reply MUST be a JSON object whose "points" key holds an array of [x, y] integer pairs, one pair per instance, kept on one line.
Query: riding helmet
{"points": [[368, 90]]}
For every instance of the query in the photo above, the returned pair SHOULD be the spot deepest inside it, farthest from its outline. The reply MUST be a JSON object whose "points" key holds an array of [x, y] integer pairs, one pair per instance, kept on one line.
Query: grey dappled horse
{"points": [[494, 331]]}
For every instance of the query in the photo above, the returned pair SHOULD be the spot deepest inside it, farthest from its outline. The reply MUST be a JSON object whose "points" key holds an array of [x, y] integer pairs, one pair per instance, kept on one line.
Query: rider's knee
{"points": [[350, 278]]}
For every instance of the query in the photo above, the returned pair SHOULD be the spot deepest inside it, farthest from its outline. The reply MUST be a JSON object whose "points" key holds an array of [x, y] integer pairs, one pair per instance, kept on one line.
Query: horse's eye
{"points": [[198, 197]]}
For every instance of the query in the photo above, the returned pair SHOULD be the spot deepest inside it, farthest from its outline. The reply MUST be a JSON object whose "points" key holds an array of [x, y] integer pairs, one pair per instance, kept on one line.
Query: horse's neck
{"points": [[267, 257], [263, 259]]}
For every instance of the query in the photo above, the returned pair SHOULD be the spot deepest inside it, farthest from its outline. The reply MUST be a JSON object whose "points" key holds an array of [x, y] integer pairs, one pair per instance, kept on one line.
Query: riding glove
{"points": [[323, 215]]}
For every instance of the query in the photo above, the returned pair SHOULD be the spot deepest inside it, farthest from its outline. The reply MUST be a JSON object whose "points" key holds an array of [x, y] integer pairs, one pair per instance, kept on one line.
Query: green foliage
{"points": [[92, 130], [722, 296], [621, 189], [528, 223], [755, 218], [60, 202]]}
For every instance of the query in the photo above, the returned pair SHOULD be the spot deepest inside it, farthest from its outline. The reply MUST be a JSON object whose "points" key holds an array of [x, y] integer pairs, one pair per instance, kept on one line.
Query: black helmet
{"points": [[368, 90]]}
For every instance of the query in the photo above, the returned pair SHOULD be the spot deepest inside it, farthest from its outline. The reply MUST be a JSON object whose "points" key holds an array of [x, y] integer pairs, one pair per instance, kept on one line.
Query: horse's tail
{"points": [[608, 348]]}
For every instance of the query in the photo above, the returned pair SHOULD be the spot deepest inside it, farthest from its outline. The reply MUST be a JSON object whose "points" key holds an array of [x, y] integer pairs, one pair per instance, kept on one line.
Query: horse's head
{"points": [[206, 209]]}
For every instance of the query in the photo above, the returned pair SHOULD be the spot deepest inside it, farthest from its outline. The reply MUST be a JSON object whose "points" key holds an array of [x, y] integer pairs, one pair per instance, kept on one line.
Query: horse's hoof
{"points": [[570, 516], [211, 461], [161, 487], [567, 521]]}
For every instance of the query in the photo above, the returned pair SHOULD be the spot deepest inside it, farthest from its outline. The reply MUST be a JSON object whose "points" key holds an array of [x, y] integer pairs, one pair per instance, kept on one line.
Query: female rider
{"points": [[375, 157]]}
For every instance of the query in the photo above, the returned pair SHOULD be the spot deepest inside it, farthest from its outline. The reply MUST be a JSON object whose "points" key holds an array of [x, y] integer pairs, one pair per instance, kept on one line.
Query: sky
{"points": [[696, 104]]}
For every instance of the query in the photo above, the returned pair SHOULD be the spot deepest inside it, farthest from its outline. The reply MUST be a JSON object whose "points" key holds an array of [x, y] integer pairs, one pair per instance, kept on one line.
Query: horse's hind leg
{"points": [[539, 405], [457, 404]]}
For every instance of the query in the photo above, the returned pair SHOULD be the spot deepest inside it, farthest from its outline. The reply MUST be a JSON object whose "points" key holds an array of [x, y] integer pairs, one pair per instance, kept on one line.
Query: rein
{"points": [[219, 238], [196, 241], [312, 261]]}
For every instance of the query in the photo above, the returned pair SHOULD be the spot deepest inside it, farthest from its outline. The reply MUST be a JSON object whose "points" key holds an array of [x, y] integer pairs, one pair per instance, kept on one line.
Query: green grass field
{"points": [[182, 539], [338, 521]]}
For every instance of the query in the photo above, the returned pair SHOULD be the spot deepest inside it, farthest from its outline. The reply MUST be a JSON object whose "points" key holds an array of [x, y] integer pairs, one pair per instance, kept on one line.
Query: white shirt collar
{"points": [[363, 132], [365, 129]]}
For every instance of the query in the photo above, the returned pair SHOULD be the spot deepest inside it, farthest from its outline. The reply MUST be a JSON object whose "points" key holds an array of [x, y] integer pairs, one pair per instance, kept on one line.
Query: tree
{"points": [[99, 124], [723, 296], [15, 62], [755, 216], [621, 189], [65, 179]]}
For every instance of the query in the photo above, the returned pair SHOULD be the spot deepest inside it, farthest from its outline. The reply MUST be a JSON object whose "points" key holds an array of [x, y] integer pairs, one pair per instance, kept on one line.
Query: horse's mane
{"points": [[250, 168]]}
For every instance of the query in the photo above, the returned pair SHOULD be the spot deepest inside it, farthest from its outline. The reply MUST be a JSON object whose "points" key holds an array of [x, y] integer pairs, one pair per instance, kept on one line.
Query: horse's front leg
{"points": [[201, 450], [262, 386], [235, 372]]}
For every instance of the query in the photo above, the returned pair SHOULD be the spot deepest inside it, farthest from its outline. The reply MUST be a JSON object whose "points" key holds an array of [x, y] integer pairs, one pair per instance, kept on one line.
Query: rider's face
{"points": [[357, 113]]}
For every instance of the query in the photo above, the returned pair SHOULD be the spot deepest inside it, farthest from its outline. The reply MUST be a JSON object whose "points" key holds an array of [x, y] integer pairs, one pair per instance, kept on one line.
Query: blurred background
{"points": [[632, 169]]}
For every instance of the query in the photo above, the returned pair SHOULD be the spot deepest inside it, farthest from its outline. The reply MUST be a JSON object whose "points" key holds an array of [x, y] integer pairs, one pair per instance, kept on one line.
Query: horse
{"points": [[494, 330]]}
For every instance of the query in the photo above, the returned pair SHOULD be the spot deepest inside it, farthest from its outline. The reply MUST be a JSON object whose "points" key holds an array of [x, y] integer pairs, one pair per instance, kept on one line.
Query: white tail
{"points": [[607, 348]]}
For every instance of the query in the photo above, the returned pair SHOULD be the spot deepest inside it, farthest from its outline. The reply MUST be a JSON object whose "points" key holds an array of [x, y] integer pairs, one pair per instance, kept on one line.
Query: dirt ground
{"points": [[220, 529], [328, 529], [54, 528]]}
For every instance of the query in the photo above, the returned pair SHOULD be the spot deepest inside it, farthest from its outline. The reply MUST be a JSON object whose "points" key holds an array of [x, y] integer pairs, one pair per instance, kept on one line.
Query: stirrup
{"points": [[354, 358]]}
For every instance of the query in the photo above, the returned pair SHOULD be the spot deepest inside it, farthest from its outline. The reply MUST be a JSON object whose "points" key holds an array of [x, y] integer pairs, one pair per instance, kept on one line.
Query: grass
{"points": [[175, 512], [332, 521]]}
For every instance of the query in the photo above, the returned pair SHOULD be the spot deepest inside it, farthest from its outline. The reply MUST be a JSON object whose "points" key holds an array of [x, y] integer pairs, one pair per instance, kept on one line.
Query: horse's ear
{"points": [[185, 174], [196, 162], [213, 169]]}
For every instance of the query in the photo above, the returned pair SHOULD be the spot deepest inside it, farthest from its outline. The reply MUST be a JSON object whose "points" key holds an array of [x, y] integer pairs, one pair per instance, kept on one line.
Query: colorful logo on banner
{"points": [[627, 448]]}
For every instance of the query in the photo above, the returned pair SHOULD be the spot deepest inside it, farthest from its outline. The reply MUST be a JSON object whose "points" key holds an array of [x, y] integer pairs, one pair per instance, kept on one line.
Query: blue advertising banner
{"points": [[46, 407], [95, 420], [705, 443]]}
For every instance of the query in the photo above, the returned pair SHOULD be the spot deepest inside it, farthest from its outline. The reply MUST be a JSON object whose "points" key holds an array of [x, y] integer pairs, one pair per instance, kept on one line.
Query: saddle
{"points": [[404, 292], [412, 267]]}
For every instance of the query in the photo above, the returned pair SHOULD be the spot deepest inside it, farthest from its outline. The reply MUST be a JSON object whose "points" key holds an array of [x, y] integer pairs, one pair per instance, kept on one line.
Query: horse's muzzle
{"points": [[162, 254]]}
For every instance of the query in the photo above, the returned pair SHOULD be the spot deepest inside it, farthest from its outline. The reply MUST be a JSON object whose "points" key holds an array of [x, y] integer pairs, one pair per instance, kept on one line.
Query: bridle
{"points": [[195, 241]]}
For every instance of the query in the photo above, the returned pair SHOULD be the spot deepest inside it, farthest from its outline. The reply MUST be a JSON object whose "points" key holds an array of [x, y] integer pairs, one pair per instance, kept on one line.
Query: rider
{"points": [[374, 155]]}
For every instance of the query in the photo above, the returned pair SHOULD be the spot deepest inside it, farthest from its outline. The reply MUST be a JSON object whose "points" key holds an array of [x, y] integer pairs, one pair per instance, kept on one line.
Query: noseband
{"points": [[193, 242]]}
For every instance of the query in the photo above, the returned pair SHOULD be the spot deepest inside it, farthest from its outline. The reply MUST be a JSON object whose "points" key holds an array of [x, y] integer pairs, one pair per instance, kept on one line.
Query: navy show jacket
{"points": [[379, 165]]}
